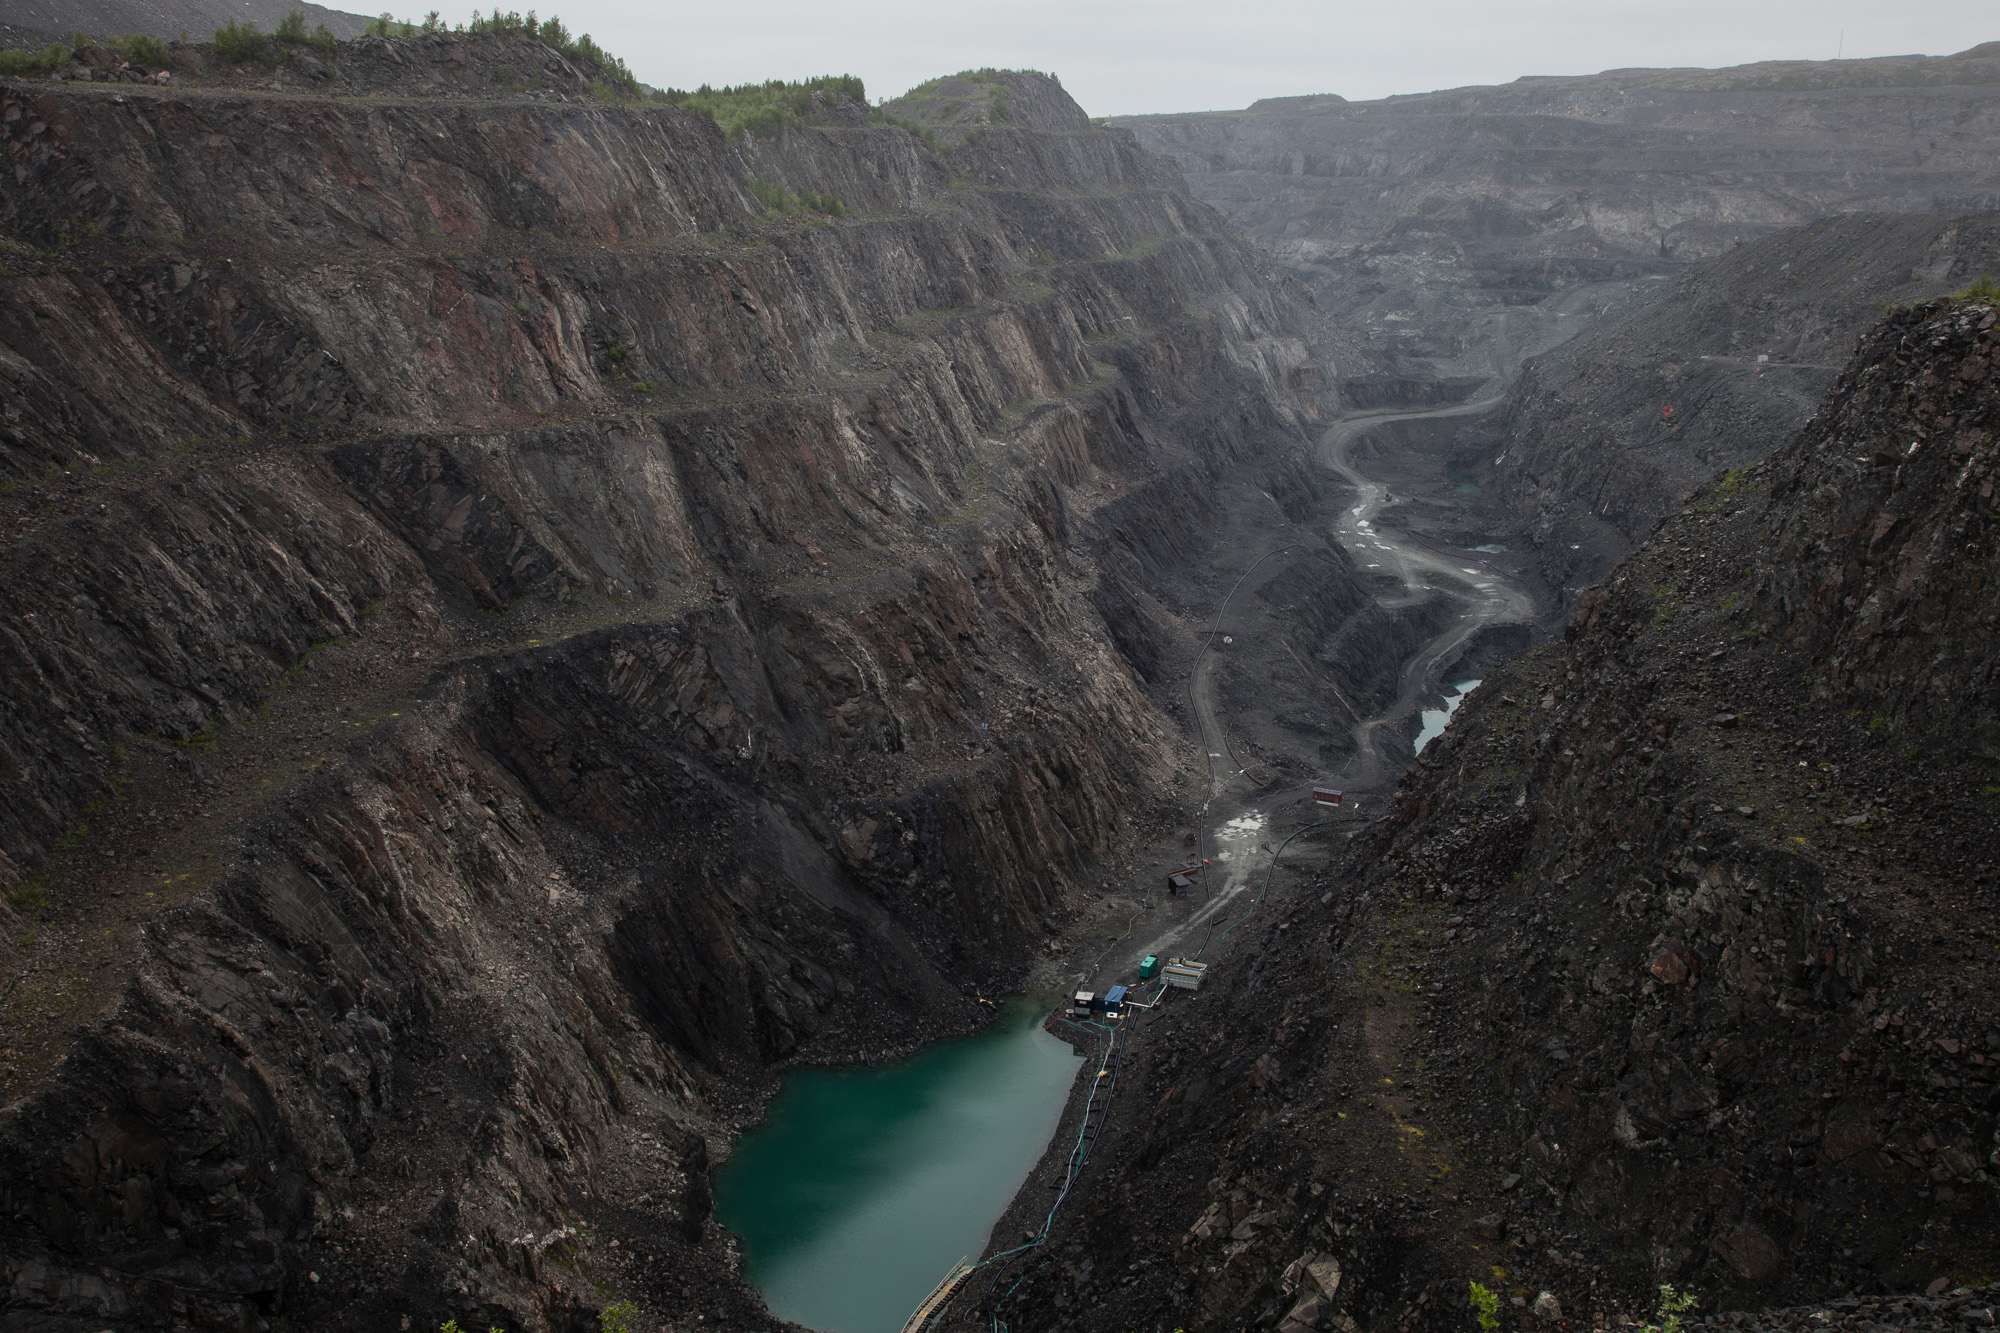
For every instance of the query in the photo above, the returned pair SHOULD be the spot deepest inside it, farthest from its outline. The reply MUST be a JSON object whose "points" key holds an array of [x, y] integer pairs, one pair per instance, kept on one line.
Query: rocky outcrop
{"points": [[1715, 370], [1608, 256], [508, 637], [1669, 965], [1418, 218], [169, 18]]}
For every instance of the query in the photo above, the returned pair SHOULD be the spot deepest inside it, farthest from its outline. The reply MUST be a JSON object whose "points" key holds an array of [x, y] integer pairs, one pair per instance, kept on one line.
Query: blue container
{"points": [[1114, 1000]]}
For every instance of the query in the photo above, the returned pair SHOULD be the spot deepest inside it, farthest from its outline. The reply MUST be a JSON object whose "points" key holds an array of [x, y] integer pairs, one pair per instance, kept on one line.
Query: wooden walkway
{"points": [[939, 1295]]}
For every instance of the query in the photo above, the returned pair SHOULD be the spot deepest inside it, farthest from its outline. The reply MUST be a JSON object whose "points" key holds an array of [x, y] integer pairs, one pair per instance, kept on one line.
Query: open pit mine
{"points": [[756, 710]]}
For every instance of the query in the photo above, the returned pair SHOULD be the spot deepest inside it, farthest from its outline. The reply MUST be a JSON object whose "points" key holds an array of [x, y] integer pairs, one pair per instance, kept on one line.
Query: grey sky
{"points": [[1126, 56]]}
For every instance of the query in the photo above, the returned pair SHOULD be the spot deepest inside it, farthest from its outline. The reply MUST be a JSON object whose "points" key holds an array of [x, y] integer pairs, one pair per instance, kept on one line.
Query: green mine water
{"points": [[863, 1186], [1435, 720]]}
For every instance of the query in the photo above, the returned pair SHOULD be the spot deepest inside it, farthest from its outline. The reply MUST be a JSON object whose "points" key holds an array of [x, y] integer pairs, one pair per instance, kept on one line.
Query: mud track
{"points": [[1237, 821]]}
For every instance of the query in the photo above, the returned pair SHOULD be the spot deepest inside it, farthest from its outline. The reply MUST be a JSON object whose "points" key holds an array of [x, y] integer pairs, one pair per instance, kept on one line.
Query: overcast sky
{"points": [[1127, 56]]}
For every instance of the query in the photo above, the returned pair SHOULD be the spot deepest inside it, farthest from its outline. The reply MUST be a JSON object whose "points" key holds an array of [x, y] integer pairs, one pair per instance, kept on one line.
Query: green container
{"points": [[1149, 966]]}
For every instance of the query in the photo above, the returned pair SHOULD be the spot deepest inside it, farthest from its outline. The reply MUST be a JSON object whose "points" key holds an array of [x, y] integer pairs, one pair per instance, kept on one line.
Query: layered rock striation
{"points": [[1407, 213], [1713, 370], [1602, 260], [1672, 964], [513, 626]]}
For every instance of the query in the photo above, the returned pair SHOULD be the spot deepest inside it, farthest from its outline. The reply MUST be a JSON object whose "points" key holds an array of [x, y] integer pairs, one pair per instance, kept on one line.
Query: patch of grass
{"points": [[1667, 603], [1982, 288], [1142, 249], [202, 742], [918, 128], [777, 199], [298, 668]]}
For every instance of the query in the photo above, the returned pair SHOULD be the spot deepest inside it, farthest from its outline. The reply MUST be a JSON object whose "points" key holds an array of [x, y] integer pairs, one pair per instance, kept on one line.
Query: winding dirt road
{"points": [[1486, 597], [1236, 833]]}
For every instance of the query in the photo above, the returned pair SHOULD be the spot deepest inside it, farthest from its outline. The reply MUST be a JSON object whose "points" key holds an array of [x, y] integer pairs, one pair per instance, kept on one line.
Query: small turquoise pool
{"points": [[864, 1186], [1435, 720]]}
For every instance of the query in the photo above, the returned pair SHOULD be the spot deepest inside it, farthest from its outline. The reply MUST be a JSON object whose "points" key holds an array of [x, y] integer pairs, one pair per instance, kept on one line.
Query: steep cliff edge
{"points": [[1712, 370], [1675, 962], [512, 627]]}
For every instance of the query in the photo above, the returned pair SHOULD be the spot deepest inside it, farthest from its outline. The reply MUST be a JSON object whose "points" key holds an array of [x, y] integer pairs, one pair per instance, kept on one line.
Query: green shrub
{"points": [[1981, 289], [1487, 1307], [324, 41], [237, 42], [143, 48], [916, 127], [14, 64], [617, 1317], [776, 198], [292, 27], [1673, 1304], [387, 25], [765, 109]]}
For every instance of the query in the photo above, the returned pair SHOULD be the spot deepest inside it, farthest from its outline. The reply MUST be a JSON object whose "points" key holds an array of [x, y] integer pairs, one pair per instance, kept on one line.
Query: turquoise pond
{"points": [[1435, 720], [864, 1186]]}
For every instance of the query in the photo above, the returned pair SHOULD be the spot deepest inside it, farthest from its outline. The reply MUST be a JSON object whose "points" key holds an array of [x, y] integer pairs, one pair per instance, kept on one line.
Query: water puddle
{"points": [[1436, 719], [1235, 844], [1494, 549], [863, 1186]]}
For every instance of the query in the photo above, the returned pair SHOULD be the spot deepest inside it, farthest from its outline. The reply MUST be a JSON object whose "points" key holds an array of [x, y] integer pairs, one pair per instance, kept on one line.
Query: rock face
{"points": [[1713, 370], [1411, 216], [1604, 259], [1670, 965], [506, 637]]}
